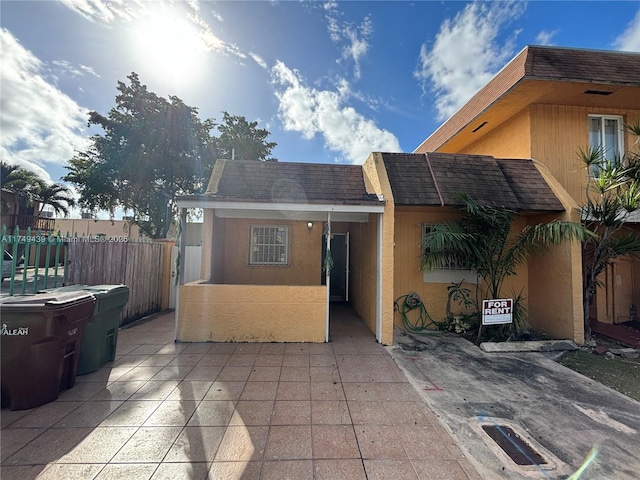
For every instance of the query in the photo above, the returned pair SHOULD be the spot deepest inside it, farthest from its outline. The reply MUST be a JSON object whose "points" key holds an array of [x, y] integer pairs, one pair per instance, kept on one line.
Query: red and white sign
{"points": [[497, 311]]}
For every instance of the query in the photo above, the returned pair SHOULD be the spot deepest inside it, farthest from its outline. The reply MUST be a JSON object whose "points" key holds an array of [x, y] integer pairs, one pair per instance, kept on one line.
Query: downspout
{"points": [[379, 282]]}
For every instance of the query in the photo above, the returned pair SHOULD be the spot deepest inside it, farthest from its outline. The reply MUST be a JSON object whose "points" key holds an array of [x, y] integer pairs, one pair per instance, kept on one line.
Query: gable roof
{"points": [[544, 75], [280, 182], [435, 179]]}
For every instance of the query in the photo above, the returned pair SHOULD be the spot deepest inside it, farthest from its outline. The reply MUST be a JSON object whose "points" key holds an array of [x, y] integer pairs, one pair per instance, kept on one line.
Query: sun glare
{"points": [[170, 45]]}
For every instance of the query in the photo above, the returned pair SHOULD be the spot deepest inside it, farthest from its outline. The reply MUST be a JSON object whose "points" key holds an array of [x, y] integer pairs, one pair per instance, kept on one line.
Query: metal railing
{"points": [[44, 249]]}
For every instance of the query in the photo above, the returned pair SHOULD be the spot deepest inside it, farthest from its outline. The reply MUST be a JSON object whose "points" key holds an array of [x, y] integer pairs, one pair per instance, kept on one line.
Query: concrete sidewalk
{"points": [[561, 414], [341, 410]]}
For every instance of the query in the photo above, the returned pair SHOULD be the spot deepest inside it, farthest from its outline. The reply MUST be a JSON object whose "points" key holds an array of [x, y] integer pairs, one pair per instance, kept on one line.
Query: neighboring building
{"points": [[268, 227], [90, 227], [17, 213], [545, 104]]}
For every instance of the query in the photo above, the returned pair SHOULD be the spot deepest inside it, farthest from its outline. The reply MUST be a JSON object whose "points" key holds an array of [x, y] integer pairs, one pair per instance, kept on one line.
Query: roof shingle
{"points": [[277, 182], [436, 179]]}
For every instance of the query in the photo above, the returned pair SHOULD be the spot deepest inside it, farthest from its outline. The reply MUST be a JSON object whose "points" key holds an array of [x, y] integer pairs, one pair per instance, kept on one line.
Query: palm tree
{"points": [[612, 196], [23, 183], [481, 240], [57, 196]]}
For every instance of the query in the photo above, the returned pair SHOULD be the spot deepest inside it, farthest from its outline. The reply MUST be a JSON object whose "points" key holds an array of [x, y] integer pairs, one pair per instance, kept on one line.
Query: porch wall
{"points": [[251, 313]]}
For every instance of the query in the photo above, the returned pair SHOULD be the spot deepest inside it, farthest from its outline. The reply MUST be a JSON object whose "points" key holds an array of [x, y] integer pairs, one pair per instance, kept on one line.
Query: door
{"points": [[339, 276], [191, 265]]}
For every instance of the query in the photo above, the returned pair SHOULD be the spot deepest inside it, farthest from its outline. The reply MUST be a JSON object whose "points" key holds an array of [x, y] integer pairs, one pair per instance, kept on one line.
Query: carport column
{"points": [[182, 239], [327, 272], [379, 282]]}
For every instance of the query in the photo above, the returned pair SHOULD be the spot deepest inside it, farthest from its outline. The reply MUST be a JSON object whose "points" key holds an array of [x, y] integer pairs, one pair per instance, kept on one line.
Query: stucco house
{"points": [[545, 104], [266, 275]]}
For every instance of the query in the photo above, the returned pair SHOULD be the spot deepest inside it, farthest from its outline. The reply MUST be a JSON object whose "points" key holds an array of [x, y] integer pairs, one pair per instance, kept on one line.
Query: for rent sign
{"points": [[497, 311]]}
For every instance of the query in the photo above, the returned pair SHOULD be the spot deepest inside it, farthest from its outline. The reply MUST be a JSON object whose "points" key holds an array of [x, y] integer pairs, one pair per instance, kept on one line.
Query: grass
{"points": [[621, 374]]}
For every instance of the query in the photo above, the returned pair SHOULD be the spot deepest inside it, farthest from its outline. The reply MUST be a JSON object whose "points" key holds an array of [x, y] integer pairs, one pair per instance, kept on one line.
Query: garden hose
{"points": [[421, 320]]}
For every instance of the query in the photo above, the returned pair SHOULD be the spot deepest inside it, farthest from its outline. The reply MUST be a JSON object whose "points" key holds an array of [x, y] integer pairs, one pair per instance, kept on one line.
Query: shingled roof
{"points": [[435, 179], [562, 76], [277, 182], [572, 64]]}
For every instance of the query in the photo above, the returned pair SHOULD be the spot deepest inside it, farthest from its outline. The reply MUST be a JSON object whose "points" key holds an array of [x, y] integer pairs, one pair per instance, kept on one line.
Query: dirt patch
{"points": [[621, 374]]}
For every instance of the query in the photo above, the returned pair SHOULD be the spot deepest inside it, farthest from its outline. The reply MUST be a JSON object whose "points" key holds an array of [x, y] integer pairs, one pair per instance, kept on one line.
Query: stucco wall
{"points": [[557, 132], [251, 313], [376, 181], [305, 251], [511, 139], [362, 277]]}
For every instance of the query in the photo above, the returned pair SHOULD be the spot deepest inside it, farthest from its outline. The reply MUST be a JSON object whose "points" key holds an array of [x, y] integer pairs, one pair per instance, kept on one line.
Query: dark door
{"points": [[338, 286]]}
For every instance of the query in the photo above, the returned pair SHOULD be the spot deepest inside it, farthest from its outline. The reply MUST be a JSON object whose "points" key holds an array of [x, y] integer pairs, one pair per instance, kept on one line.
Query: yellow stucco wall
{"points": [[305, 251], [363, 268], [555, 278], [376, 181], [557, 132], [251, 313], [408, 277], [511, 139]]}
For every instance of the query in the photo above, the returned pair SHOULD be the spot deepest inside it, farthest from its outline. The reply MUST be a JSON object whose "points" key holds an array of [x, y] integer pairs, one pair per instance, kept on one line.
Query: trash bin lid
{"points": [[43, 300]]}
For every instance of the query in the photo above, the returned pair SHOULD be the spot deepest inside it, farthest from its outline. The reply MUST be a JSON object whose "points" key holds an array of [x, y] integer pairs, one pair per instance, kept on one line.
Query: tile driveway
{"points": [[165, 410]]}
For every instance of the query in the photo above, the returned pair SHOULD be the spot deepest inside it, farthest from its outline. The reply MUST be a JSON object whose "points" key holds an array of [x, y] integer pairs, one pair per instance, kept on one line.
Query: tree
{"points": [[152, 150], [57, 196], [481, 239], [23, 183], [243, 140], [612, 195]]}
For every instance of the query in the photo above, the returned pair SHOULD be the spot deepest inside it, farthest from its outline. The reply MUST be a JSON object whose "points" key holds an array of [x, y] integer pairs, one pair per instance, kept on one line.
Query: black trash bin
{"points": [[99, 341], [41, 336]]}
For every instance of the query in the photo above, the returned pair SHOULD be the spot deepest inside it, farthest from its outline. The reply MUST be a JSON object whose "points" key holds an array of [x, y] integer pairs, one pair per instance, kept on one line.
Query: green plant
{"points": [[612, 195], [481, 239], [460, 323]]}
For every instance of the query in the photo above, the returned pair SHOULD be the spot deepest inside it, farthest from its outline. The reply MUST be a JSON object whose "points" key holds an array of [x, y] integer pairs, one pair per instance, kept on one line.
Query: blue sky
{"points": [[332, 81]]}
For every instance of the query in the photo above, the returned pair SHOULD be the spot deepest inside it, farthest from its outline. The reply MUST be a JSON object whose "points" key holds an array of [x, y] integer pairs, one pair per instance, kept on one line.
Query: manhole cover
{"points": [[518, 450]]}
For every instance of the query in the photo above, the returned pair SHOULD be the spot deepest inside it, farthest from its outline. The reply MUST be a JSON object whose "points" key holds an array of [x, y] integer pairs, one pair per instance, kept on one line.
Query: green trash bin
{"points": [[41, 336], [101, 335]]}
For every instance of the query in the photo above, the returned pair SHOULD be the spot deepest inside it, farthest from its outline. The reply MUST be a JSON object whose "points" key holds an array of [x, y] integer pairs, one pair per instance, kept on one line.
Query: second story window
{"points": [[606, 133]]}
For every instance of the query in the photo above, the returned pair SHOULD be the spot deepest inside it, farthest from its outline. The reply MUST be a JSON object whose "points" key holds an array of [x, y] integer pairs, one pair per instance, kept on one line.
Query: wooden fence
{"points": [[137, 265]]}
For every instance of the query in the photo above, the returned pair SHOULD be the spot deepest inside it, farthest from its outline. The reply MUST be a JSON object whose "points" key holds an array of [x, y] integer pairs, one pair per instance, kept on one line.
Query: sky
{"points": [[330, 80]]}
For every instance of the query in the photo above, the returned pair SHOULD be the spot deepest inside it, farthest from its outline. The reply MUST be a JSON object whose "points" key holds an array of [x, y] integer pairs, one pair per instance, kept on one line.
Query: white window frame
{"points": [[449, 273], [266, 251], [607, 149]]}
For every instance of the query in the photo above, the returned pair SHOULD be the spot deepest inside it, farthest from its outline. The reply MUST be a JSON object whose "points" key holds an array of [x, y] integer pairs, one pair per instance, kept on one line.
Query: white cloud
{"points": [[355, 37], [544, 37], [104, 11], [310, 111], [40, 125], [74, 71], [629, 40], [259, 60], [465, 54]]}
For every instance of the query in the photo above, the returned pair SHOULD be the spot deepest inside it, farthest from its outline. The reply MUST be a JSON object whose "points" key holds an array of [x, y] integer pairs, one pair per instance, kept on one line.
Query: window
{"points": [[452, 271], [451, 263], [269, 245], [606, 133]]}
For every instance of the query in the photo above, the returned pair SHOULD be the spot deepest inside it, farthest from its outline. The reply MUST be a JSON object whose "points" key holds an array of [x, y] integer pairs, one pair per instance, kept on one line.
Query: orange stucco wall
{"points": [[251, 313]]}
